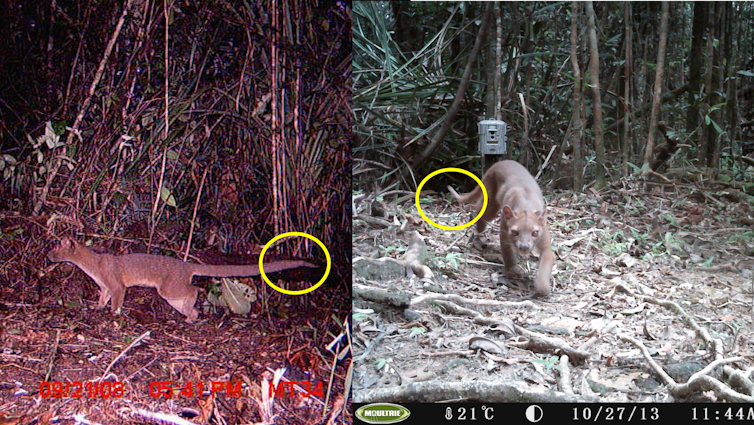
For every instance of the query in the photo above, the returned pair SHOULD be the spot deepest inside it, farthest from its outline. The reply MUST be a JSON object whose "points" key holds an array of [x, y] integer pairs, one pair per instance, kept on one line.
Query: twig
{"points": [[52, 357], [166, 418], [329, 382], [128, 378], [667, 380], [153, 221], [296, 386], [80, 419], [452, 244], [545, 163], [122, 353], [708, 196], [672, 306], [193, 217]]}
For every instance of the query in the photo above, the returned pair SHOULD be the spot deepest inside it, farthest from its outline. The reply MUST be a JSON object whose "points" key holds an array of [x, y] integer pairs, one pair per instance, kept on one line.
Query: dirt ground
{"points": [[64, 362], [667, 270]]}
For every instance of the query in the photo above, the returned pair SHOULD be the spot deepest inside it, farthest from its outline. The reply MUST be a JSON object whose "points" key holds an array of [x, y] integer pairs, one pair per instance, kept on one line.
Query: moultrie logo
{"points": [[382, 413]]}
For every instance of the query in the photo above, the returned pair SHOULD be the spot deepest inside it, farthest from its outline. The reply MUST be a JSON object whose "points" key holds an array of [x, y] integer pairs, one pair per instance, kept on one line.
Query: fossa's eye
{"points": [[535, 233], [514, 232]]}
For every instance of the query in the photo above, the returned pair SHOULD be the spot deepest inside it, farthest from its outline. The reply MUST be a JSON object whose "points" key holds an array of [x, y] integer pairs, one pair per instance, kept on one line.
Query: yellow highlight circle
{"points": [[452, 170], [287, 291]]}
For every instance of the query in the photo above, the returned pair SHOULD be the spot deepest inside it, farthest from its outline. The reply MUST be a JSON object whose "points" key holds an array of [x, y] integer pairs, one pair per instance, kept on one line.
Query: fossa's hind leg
{"points": [[185, 306], [181, 295]]}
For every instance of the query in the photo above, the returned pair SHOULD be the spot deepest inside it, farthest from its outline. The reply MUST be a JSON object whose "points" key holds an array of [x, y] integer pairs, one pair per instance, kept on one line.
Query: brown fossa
{"points": [[171, 277], [523, 225]]}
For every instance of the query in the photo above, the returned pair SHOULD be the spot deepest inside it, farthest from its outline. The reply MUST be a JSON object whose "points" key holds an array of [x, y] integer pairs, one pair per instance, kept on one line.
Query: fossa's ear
{"points": [[508, 213]]}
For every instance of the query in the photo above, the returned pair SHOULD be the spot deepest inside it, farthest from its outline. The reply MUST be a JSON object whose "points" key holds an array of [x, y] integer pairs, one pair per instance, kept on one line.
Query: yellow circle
{"points": [[287, 291], [453, 170]]}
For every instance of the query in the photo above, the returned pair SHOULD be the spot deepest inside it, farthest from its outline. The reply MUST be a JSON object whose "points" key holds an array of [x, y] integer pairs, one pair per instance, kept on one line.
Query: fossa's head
{"points": [[64, 251], [524, 228]]}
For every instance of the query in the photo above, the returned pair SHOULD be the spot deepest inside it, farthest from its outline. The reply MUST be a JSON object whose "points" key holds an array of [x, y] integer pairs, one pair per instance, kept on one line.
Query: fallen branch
{"points": [[715, 344], [539, 342], [486, 391], [412, 262], [381, 296], [565, 376], [374, 221], [700, 381], [472, 302]]}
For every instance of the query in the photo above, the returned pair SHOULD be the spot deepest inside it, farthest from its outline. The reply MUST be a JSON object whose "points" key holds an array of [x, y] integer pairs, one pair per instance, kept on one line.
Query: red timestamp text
{"points": [[78, 389], [169, 389]]}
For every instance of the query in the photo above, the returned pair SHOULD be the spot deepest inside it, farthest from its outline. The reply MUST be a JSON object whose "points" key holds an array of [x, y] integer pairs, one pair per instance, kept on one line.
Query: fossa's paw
{"points": [[542, 286], [515, 273], [479, 242]]}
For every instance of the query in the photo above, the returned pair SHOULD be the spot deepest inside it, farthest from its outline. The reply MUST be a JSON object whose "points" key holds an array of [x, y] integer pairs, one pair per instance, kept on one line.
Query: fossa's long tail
{"points": [[246, 270], [466, 198]]}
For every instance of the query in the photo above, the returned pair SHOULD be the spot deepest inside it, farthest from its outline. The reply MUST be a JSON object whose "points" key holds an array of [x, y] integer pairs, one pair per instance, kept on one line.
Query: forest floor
{"points": [[64, 362], [623, 257]]}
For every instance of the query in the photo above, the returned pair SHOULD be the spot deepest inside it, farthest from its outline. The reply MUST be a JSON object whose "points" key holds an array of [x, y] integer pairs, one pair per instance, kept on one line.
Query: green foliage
{"points": [[452, 258], [617, 244], [709, 121], [32, 169], [398, 80], [167, 197], [673, 243], [548, 363], [742, 236], [389, 249], [557, 223], [8, 165], [637, 169], [670, 219], [215, 288], [12, 234], [417, 330], [642, 238], [359, 317]]}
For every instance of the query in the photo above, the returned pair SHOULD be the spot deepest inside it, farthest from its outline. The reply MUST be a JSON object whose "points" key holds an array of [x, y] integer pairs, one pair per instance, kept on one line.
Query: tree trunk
{"points": [[705, 144], [695, 64], [578, 182], [656, 96], [626, 146], [732, 105], [719, 77], [594, 71], [498, 63]]}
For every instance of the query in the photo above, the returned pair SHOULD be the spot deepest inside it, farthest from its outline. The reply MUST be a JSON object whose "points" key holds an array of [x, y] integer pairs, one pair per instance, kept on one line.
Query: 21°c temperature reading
{"points": [[469, 413]]}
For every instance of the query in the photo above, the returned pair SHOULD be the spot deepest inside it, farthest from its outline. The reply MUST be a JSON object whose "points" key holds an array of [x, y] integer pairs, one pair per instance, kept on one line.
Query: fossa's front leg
{"points": [[119, 295], [512, 269], [546, 261], [104, 297]]}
